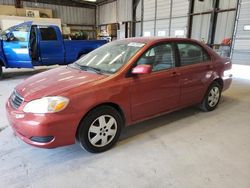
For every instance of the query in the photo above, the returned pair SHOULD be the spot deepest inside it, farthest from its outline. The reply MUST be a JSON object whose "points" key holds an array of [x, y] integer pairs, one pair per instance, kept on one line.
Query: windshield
{"points": [[110, 57]]}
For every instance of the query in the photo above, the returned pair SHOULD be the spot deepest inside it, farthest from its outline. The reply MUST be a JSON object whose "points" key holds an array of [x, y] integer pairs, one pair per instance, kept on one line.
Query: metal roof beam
{"points": [[72, 3]]}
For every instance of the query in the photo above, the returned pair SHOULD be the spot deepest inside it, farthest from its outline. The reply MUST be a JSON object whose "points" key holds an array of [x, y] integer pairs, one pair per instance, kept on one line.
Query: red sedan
{"points": [[114, 86]]}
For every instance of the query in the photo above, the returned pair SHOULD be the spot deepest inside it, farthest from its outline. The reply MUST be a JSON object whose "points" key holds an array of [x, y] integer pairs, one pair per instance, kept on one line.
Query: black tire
{"points": [[93, 118], [207, 104]]}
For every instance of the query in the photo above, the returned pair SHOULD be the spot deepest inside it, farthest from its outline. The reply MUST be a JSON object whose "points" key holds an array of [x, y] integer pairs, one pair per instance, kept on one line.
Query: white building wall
{"points": [[114, 12], [111, 17], [241, 43], [165, 18], [68, 15]]}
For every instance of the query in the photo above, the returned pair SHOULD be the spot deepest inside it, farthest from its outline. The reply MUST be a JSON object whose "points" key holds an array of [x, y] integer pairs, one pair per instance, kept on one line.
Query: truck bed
{"points": [[75, 48]]}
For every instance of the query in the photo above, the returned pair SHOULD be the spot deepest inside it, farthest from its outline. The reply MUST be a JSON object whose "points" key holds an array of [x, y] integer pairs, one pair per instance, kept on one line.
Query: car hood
{"points": [[54, 82]]}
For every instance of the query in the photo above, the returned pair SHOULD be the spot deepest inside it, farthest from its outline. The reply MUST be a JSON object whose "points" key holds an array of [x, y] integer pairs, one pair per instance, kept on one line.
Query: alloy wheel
{"points": [[102, 131], [213, 96]]}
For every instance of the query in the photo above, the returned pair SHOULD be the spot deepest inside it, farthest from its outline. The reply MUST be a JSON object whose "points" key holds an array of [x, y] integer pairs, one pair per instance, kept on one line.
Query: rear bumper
{"points": [[43, 130], [227, 81]]}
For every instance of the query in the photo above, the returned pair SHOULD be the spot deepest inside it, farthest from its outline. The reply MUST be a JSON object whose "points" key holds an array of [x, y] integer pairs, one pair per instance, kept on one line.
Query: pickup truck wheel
{"points": [[212, 97], [100, 129], [1, 72]]}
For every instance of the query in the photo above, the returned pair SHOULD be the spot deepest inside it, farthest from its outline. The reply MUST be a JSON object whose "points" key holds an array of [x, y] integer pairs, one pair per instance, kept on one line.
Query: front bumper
{"points": [[43, 130]]}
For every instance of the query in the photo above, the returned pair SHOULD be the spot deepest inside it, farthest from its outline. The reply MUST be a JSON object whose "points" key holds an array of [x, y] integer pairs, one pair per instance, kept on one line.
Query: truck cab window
{"points": [[20, 34], [48, 34]]}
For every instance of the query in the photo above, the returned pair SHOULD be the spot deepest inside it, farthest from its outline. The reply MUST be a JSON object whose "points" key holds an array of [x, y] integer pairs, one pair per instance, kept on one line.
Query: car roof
{"points": [[157, 39], [154, 40]]}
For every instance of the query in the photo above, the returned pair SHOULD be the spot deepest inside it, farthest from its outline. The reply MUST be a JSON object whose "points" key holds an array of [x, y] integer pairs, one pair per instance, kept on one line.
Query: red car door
{"points": [[158, 91], [195, 67]]}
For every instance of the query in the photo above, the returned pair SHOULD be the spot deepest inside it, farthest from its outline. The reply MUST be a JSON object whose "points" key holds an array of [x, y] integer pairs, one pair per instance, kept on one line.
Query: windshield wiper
{"points": [[87, 68]]}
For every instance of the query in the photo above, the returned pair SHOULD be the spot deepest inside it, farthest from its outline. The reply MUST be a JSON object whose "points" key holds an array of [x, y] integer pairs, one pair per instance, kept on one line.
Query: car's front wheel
{"points": [[100, 129], [212, 97]]}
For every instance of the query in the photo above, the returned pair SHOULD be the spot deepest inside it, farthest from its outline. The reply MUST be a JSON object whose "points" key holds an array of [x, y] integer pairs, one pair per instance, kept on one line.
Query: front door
{"points": [[158, 91], [16, 47]]}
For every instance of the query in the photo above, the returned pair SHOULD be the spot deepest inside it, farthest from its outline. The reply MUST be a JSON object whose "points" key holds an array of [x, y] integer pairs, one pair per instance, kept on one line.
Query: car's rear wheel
{"points": [[212, 97], [100, 129]]}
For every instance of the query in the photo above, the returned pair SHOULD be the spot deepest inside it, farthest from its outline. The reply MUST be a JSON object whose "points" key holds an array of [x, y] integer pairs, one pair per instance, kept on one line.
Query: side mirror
{"points": [[142, 69]]}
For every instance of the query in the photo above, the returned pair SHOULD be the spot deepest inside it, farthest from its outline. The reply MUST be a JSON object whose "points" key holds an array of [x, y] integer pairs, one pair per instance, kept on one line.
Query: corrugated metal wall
{"points": [[179, 20], [149, 22], [118, 11], [162, 19], [138, 19], [200, 25], [111, 17], [241, 45], [124, 10], [138, 11], [225, 21], [202, 6], [228, 4], [68, 15], [224, 24], [7, 2]]}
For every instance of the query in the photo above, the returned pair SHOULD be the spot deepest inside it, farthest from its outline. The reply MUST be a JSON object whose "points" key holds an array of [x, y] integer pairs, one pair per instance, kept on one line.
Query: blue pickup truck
{"points": [[27, 45]]}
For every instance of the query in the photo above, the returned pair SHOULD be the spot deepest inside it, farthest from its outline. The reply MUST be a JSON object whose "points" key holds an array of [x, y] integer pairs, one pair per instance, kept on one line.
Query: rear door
{"points": [[195, 67], [16, 48], [51, 47]]}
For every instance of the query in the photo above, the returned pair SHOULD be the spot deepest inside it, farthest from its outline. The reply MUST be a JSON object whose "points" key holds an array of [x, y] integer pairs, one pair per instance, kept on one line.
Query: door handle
{"points": [[173, 74], [23, 46]]}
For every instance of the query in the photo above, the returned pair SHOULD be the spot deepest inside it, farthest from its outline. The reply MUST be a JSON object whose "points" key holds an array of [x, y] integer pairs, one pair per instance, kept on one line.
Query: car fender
{"points": [[120, 107], [210, 77], [215, 76]]}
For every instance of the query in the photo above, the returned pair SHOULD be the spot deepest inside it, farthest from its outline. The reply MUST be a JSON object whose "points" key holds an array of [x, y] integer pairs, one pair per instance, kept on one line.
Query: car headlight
{"points": [[46, 105]]}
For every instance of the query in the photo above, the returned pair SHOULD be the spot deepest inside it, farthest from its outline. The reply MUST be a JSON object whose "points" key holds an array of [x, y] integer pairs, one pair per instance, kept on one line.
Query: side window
{"points": [[159, 57], [48, 34], [21, 34], [192, 54]]}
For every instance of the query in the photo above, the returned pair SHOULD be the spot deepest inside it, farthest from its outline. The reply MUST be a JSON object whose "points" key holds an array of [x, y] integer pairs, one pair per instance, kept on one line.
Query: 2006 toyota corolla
{"points": [[116, 85]]}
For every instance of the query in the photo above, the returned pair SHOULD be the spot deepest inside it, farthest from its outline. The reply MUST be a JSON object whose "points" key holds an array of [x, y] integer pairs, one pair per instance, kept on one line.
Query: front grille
{"points": [[43, 139], [16, 100]]}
